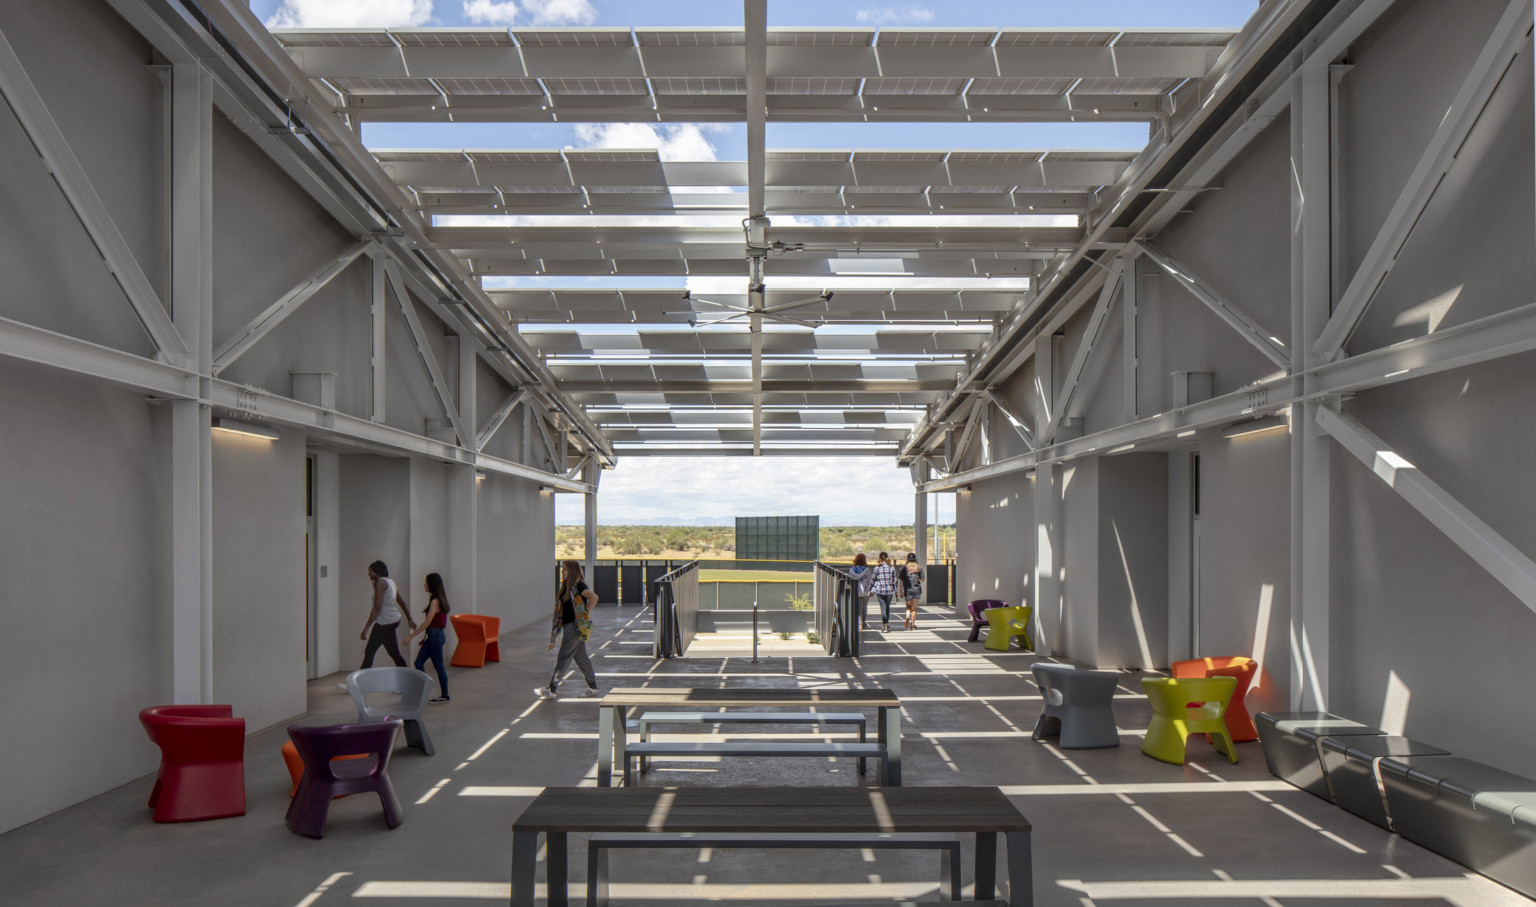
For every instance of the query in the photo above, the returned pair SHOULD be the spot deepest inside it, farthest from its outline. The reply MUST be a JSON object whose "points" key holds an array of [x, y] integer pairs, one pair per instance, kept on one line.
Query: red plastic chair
{"points": [[202, 761], [1239, 723], [479, 640]]}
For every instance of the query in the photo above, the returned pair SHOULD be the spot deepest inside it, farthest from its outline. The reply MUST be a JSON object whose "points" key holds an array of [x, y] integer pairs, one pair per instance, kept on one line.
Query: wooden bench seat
{"points": [[722, 748], [601, 843], [821, 719]]}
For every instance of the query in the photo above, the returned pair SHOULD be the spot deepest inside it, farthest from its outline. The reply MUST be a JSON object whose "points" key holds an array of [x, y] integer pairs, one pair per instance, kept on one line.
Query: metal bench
{"points": [[721, 748], [601, 843], [855, 719]]}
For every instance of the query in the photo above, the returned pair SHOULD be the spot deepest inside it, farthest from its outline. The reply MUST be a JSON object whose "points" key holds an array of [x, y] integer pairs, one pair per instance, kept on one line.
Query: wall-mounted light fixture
{"points": [[239, 427], [1254, 426], [545, 489], [479, 475]]}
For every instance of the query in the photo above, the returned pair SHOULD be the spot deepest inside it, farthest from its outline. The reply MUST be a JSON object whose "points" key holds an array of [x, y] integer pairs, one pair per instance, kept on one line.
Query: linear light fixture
{"points": [[241, 427], [1254, 426]]}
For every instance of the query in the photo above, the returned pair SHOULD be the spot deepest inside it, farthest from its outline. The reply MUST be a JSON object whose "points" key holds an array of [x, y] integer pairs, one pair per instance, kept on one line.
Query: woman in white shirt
{"points": [[384, 617]]}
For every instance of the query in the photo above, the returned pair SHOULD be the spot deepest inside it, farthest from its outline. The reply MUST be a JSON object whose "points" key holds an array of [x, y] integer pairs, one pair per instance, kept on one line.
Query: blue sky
{"points": [[843, 490]]}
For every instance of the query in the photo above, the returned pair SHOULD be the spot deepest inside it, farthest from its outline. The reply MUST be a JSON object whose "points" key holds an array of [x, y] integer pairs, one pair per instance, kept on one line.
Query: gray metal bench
{"points": [[854, 719], [601, 843], [720, 748]]}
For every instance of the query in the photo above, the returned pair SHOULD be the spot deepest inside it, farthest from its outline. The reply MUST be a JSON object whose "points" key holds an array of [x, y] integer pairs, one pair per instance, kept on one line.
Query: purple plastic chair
{"points": [[977, 620], [324, 779]]}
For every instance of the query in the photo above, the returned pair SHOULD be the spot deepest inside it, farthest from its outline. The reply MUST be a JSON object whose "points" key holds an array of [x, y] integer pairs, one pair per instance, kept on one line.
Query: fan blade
{"points": [[722, 305], [787, 319], [705, 324]]}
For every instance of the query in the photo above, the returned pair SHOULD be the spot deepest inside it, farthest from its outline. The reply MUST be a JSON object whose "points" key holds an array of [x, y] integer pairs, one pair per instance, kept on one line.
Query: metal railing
{"points": [[675, 614], [837, 598]]}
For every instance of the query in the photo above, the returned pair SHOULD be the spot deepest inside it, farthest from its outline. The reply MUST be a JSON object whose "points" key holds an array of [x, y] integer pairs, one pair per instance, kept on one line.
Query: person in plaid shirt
{"points": [[884, 587]]}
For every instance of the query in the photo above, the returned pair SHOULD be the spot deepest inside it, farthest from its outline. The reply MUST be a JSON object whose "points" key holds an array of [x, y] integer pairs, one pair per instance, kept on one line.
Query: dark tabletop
{"points": [[772, 809], [639, 697]]}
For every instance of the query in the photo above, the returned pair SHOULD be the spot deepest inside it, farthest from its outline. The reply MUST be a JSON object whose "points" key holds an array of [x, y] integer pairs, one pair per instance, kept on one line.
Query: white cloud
{"points": [[490, 12], [890, 15], [559, 12], [681, 142], [351, 14]]}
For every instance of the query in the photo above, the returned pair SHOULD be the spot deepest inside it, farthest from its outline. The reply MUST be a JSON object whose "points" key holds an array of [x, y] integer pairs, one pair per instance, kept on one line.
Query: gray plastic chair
{"points": [[1079, 705], [412, 688]]}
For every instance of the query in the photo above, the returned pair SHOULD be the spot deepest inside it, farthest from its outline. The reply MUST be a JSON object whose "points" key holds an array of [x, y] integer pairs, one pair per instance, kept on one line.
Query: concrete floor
{"points": [[1112, 827]]}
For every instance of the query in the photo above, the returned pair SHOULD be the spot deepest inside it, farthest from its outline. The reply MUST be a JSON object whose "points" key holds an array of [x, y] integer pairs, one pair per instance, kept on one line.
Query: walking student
{"points": [[860, 572], [435, 626], [912, 588], [384, 617], [883, 585], [572, 626]]}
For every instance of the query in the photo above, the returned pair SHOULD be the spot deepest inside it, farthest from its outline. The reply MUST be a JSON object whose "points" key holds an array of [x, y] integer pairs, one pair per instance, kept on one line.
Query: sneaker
{"points": [[440, 699], [544, 692], [589, 692]]}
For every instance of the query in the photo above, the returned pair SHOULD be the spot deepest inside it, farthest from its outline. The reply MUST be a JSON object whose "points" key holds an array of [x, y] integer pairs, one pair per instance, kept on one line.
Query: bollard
{"points": [[754, 632]]}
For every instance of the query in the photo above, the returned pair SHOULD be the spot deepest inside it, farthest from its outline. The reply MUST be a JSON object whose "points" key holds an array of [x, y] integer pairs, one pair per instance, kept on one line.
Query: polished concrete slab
{"points": [[1112, 827]]}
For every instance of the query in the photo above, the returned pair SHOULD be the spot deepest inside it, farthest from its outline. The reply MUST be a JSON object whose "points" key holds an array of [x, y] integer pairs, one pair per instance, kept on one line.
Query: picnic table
{"points": [[981, 811], [614, 709]]}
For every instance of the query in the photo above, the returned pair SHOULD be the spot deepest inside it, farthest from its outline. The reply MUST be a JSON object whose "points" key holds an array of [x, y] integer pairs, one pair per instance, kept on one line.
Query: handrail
{"points": [[675, 611], [836, 596]]}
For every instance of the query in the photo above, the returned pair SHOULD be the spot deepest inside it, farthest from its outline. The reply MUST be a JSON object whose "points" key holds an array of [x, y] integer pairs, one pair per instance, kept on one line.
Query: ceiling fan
{"points": [[773, 311]]}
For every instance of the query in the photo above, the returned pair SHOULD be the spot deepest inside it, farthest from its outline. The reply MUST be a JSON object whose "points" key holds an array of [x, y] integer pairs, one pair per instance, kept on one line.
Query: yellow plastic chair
{"points": [[1174, 717], [1008, 622]]}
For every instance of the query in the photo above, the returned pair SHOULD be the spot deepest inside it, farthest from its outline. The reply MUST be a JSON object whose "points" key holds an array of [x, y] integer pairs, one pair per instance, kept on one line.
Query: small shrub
{"points": [[784, 635], [800, 602], [813, 638]]}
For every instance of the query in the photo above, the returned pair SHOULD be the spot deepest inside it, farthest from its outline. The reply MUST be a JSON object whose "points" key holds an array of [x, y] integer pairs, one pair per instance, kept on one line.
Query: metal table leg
{"points": [[890, 737], [604, 745], [525, 855], [1021, 878], [556, 876], [986, 865]]}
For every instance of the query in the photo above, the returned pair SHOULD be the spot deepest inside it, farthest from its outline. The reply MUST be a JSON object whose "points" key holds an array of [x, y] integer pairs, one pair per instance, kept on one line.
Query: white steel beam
{"points": [[1085, 348], [428, 358], [1493, 552], [549, 443], [1498, 55], [285, 305], [191, 448], [46, 137], [1263, 340], [1048, 540], [593, 474], [1130, 349], [978, 407], [498, 418], [1312, 157], [377, 369], [1023, 430]]}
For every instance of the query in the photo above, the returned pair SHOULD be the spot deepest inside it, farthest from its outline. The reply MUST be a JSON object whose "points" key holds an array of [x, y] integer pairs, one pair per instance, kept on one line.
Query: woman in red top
{"points": [[435, 625]]}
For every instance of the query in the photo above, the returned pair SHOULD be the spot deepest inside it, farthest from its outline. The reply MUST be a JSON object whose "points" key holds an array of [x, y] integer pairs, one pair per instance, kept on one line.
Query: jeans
{"points": [[863, 610], [572, 646], [885, 605], [383, 635], [432, 647]]}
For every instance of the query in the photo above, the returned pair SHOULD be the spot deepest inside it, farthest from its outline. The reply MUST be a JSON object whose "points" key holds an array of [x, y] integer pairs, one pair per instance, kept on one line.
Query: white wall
{"points": [[84, 550], [259, 576]]}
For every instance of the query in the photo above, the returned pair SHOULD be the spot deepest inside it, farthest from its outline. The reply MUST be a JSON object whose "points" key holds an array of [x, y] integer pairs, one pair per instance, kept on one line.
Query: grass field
{"points": [[748, 576]]}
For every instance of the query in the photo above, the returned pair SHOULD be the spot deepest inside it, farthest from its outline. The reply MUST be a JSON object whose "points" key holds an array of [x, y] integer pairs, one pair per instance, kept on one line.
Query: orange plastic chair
{"points": [[1239, 723], [478, 640], [296, 765]]}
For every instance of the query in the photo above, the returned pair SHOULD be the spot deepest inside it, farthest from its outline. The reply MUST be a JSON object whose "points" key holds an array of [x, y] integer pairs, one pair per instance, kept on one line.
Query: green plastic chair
{"points": [[1004, 623], [1184, 706]]}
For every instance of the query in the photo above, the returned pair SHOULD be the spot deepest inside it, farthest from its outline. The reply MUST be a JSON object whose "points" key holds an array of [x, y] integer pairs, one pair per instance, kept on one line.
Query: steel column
{"points": [[191, 451], [1048, 600], [1129, 346], [594, 473], [464, 485], [376, 356], [920, 511], [1311, 300]]}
